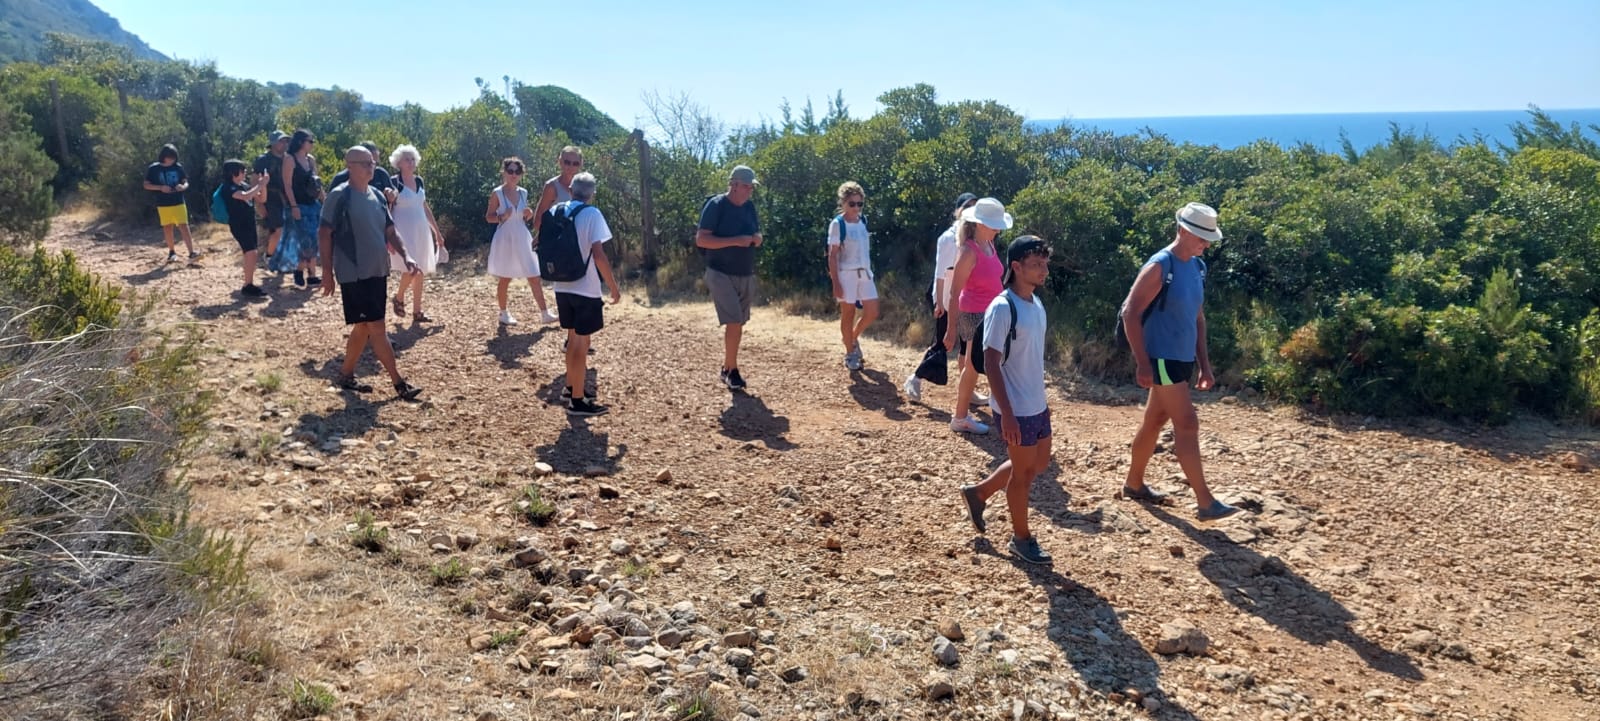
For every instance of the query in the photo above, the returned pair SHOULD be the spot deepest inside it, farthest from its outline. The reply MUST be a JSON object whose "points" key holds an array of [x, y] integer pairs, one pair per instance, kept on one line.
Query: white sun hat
{"points": [[1200, 219], [990, 212]]}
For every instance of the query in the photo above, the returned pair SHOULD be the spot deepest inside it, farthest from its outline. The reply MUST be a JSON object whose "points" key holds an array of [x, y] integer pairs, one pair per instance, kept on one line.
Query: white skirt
{"points": [[511, 252]]}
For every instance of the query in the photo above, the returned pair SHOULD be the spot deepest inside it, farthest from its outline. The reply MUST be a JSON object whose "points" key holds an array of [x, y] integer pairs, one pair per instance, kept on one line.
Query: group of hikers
{"points": [[350, 234]]}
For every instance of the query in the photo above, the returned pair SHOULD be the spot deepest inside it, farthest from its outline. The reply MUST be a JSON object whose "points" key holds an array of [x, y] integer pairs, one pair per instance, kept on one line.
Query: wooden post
{"points": [[647, 224], [61, 127]]}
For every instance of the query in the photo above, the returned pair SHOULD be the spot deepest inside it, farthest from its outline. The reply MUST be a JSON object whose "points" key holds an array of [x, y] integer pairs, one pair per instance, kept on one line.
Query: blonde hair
{"points": [[405, 151], [571, 150], [847, 189]]}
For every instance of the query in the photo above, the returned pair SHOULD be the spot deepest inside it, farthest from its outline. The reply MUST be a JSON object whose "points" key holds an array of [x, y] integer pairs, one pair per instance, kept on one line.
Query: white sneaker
{"points": [[965, 424], [979, 399], [506, 318], [549, 317], [913, 387]]}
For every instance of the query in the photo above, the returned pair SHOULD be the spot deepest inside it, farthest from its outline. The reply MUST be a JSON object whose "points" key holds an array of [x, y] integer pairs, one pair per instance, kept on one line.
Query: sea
{"points": [[1323, 130]]}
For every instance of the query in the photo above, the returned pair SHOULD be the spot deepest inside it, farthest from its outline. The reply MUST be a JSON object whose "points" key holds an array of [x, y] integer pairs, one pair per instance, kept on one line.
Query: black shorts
{"points": [[244, 233], [1171, 372], [365, 300], [580, 313], [273, 220]]}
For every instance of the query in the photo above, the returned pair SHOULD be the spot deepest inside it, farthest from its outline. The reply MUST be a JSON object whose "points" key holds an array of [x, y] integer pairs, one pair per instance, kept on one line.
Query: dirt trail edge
{"points": [[800, 551]]}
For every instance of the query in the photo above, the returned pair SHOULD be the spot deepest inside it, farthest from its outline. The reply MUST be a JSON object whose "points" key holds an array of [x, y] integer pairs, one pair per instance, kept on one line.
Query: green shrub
{"points": [[25, 204], [59, 298], [125, 146]]}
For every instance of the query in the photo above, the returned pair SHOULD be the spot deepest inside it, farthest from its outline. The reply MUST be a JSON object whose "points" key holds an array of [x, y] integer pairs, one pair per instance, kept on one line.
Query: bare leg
{"points": [[272, 241], [188, 240], [577, 363], [1144, 442], [964, 388], [352, 349], [732, 333], [379, 338], [869, 313], [500, 291], [1186, 439], [538, 294], [847, 324], [416, 293], [166, 234], [250, 268]]}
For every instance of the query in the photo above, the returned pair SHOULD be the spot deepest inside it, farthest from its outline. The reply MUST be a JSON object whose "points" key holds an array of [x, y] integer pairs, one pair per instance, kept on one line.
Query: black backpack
{"points": [[1159, 302], [561, 257], [975, 348]]}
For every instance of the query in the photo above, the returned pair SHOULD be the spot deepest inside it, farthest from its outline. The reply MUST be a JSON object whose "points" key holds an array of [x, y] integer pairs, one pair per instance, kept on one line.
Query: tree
{"points": [[677, 121], [549, 108], [83, 101], [25, 205]]}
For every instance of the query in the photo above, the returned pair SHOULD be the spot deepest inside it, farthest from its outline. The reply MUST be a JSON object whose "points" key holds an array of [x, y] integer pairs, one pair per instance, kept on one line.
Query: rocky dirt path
{"points": [[800, 551]]}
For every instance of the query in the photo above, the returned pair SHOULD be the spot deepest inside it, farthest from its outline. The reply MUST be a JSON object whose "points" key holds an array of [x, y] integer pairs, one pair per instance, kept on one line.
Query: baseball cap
{"points": [[1020, 249], [275, 136], [743, 174]]}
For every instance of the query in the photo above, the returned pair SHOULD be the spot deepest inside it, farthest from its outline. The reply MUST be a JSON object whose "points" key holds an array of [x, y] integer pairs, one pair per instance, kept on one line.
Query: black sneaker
{"points": [[732, 379], [975, 505], [313, 280], [566, 395], [253, 291], [1027, 549], [172, 256], [406, 391], [350, 383], [585, 407], [299, 279]]}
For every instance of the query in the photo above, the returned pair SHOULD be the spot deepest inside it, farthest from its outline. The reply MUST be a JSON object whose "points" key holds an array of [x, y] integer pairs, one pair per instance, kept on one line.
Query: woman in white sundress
{"points": [[413, 221], [511, 253]]}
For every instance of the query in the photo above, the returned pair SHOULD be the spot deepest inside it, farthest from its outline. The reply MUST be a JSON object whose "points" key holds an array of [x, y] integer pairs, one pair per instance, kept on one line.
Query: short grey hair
{"points": [[405, 151], [583, 187]]}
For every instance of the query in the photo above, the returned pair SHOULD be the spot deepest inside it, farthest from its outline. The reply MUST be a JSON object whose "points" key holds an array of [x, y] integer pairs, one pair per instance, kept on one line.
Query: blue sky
{"points": [[1045, 59]]}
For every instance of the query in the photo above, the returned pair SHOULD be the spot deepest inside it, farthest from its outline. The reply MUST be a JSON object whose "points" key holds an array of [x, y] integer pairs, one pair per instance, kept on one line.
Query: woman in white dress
{"points": [[413, 221], [511, 253]]}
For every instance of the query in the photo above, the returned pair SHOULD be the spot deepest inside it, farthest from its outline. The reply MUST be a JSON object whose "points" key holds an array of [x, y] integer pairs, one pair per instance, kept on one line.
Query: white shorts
{"points": [[857, 286]]}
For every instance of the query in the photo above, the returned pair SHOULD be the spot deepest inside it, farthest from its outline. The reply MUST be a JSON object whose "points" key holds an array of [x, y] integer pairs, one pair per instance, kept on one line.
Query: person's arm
{"points": [[1206, 380], [391, 238], [183, 181], [704, 239], [995, 330], [965, 261], [493, 214], [325, 244], [834, 244], [438, 237], [602, 263], [547, 198], [1144, 291], [157, 187], [286, 176]]}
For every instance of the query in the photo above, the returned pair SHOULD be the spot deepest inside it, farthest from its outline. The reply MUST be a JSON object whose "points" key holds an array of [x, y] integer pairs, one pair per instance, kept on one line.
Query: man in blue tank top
{"points": [[1166, 329]]}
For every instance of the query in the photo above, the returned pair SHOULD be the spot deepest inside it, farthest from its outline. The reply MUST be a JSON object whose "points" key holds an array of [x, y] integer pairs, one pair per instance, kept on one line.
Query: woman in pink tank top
{"points": [[975, 282]]}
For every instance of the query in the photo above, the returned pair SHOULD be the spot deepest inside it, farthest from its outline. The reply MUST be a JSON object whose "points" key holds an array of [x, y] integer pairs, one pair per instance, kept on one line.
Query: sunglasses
{"points": [[571, 163], [855, 204], [360, 163], [513, 171]]}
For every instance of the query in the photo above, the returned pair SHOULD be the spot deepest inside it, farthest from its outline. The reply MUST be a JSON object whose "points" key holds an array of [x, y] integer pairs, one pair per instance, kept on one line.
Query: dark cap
{"points": [[1019, 250], [275, 136], [963, 199]]}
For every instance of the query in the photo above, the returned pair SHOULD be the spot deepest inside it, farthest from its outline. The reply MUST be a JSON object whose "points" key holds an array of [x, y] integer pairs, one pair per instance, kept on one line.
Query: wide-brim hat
{"points": [[1201, 220], [989, 212]]}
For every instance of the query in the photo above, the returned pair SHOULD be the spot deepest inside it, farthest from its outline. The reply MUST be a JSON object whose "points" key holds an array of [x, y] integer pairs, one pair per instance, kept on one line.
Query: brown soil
{"points": [[1387, 570]]}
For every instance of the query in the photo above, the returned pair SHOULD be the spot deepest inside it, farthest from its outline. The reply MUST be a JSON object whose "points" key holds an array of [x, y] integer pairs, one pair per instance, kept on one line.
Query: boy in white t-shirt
{"points": [[578, 302], [1014, 363], [850, 267]]}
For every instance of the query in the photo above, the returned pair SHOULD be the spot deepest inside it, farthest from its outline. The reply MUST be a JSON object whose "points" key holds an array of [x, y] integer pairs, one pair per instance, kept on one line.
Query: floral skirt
{"points": [[299, 241]]}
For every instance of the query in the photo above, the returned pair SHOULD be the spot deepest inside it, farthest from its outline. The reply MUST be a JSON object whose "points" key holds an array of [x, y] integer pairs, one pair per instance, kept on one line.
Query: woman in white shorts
{"points": [[850, 267]]}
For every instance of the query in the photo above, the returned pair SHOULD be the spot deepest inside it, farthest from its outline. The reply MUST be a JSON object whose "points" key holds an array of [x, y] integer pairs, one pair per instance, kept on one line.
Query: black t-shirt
{"points": [[272, 164], [380, 180], [726, 220], [238, 210], [173, 175]]}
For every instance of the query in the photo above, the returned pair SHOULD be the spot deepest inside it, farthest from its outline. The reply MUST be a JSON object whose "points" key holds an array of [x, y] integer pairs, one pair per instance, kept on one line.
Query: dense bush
{"points": [[25, 203]]}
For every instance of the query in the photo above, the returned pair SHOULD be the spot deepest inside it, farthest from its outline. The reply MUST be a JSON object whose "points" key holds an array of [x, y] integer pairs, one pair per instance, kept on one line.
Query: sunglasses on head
{"points": [[855, 203]]}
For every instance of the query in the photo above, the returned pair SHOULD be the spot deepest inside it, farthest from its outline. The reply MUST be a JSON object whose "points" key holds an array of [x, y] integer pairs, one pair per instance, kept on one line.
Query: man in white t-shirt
{"points": [[579, 302], [944, 265], [850, 267], [1014, 332]]}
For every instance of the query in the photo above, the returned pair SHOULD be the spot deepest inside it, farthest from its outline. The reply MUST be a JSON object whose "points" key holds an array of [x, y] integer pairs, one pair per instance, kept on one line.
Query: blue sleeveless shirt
{"points": [[1172, 333]]}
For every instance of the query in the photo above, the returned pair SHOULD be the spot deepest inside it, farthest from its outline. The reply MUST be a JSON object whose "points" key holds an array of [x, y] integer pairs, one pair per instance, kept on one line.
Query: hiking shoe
{"points": [[252, 290], [1144, 493], [585, 407], [193, 255], [172, 256], [1216, 511], [313, 280], [913, 387], [732, 379], [1027, 549], [852, 361], [975, 504], [406, 391], [350, 383], [979, 399], [548, 317], [965, 424], [566, 394], [299, 279], [506, 318]]}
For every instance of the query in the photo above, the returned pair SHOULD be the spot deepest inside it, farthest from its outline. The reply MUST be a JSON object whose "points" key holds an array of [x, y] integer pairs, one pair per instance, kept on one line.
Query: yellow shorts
{"points": [[173, 214]]}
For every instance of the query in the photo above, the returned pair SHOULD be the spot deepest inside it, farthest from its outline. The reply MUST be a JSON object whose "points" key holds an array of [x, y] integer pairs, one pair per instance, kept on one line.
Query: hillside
{"points": [[796, 552], [24, 23]]}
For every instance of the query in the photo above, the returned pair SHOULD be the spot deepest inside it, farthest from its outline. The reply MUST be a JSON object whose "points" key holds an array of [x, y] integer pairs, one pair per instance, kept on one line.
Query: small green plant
{"points": [[449, 573], [309, 700], [270, 382], [500, 639], [535, 508], [368, 536], [266, 445], [641, 571]]}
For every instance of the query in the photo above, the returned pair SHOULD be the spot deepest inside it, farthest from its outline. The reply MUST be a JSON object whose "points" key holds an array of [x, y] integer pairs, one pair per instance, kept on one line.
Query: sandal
{"points": [[406, 391], [350, 383], [421, 317], [399, 305], [1145, 494]]}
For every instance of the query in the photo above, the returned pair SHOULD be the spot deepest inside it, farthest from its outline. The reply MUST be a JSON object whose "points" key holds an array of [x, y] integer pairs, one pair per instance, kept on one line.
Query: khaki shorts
{"points": [[732, 296], [173, 214]]}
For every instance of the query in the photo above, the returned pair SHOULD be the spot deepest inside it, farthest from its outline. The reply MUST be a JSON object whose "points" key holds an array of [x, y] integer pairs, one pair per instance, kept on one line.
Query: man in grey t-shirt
{"points": [[356, 238]]}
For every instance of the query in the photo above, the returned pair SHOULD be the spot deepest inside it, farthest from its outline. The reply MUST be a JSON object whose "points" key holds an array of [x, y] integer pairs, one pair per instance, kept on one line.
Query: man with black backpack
{"points": [[729, 233], [572, 256], [356, 237], [1012, 338]]}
